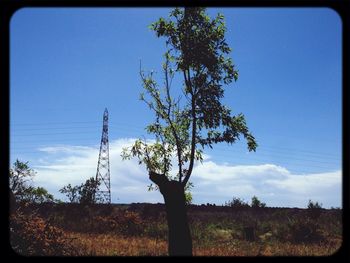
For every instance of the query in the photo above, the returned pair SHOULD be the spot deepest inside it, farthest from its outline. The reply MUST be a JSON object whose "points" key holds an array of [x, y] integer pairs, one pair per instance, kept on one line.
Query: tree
{"points": [[257, 203], [314, 209], [39, 195], [19, 179], [87, 191], [236, 202], [183, 127], [70, 192], [83, 194], [314, 205]]}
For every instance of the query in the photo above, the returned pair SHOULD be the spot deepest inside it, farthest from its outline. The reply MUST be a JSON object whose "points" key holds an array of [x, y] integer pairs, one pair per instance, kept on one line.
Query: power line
{"points": [[49, 123], [115, 124], [130, 127], [138, 128], [263, 148], [271, 153], [293, 162]]}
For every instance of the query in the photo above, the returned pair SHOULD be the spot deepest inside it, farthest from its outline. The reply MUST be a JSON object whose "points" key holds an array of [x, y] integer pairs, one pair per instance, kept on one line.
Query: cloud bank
{"points": [[213, 182]]}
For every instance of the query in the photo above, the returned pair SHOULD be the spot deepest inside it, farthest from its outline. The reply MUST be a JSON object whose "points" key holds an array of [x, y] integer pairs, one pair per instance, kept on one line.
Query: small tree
{"points": [[256, 203], [88, 190], [20, 177], [21, 189], [236, 203], [314, 205], [71, 192], [84, 194], [197, 50], [314, 209], [39, 195]]}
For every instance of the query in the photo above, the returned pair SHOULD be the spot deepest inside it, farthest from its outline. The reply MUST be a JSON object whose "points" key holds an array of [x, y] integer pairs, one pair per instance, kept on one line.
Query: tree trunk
{"points": [[179, 241]]}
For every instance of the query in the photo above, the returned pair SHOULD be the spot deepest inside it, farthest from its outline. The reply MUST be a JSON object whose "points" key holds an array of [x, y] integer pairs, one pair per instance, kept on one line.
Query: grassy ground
{"points": [[141, 230], [112, 245]]}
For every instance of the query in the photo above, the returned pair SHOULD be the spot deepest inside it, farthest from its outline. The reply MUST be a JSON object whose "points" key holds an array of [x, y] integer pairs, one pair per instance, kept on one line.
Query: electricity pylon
{"points": [[103, 192]]}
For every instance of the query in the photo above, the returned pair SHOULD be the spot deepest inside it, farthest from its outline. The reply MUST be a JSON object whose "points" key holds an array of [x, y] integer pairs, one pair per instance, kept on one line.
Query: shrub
{"points": [[123, 222], [236, 203], [30, 234], [314, 209], [299, 230], [313, 205], [257, 203], [304, 231]]}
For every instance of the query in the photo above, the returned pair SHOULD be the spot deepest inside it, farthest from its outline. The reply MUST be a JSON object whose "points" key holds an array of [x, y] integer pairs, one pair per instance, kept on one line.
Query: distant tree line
{"points": [[21, 175], [22, 191], [239, 203]]}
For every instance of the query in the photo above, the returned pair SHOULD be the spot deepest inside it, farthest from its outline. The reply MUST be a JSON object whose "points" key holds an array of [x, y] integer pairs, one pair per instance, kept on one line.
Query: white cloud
{"points": [[75, 164], [272, 184], [214, 183]]}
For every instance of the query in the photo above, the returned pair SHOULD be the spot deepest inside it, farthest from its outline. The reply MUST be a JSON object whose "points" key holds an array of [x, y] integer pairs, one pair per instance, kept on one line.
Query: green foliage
{"points": [[188, 197], [71, 193], [87, 191], [39, 195], [198, 52], [83, 194], [314, 205], [236, 203], [257, 203], [19, 178]]}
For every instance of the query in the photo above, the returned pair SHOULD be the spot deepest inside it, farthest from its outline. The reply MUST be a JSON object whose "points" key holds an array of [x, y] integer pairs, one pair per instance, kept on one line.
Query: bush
{"points": [[257, 203], [236, 203], [30, 235], [314, 209], [313, 205], [123, 222], [304, 231], [299, 230]]}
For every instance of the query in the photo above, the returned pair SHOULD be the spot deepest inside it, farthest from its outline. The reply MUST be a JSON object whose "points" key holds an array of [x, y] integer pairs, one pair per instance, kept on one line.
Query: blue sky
{"points": [[67, 65]]}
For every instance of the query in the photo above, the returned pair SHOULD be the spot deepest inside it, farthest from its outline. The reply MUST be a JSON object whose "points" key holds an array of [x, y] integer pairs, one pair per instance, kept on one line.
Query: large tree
{"points": [[183, 127]]}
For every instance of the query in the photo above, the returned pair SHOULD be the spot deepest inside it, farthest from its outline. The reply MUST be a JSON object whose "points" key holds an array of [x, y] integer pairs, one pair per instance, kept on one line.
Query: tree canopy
{"points": [[84, 193], [184, 126], [20, 178]]}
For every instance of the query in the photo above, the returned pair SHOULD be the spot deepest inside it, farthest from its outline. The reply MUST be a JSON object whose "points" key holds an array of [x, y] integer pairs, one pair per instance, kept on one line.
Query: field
{"points": [[141, 230]]}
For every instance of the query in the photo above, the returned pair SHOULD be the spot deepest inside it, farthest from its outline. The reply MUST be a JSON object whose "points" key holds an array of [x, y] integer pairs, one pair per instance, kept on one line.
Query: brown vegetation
{"points": [[141, 229]]}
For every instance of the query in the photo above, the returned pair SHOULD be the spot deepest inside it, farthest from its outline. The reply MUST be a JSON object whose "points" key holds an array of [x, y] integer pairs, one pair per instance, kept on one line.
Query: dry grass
{"points": [[244, 248], [143, 232], [113, 245]]}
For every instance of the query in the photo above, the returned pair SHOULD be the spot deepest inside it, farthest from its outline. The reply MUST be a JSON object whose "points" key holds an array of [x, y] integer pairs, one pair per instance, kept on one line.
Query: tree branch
{"points": [[159, 179], [166, 116], [193, 137]]}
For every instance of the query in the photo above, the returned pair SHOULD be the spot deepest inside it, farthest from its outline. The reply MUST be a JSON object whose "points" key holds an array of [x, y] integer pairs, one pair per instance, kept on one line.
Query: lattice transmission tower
{"points": [[103, 192]]}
